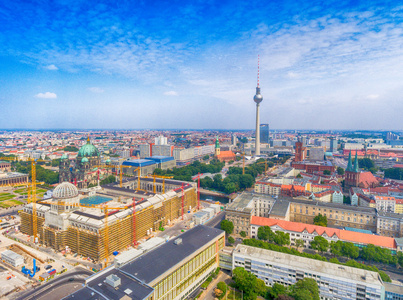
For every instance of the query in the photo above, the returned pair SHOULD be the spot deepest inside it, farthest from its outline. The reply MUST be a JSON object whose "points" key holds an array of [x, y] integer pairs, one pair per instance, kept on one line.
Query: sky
{"points": [[193, 64]]}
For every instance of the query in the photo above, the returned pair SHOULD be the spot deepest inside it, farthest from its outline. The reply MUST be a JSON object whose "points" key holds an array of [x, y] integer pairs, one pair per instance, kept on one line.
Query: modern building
{"points": [[334, 281], [264, 134], [161, 140], [333, 145], [79, 170], [163, 162], [147, 166], [162, 150], [393, 291], [12, 258], [171, 271], [316, 153]]}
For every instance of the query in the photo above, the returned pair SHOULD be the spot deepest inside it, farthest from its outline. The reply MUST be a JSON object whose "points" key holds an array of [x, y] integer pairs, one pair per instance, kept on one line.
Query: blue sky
{"points": [[178, 64]]}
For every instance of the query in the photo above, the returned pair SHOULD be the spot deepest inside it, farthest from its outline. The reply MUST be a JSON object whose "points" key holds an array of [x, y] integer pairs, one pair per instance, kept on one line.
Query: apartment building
{"points": [[334, 281]]}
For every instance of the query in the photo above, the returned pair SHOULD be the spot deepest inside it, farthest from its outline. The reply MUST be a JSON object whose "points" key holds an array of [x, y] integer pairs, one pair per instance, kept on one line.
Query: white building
{"points": [[12, 258], [334, 281], [161, 140]]}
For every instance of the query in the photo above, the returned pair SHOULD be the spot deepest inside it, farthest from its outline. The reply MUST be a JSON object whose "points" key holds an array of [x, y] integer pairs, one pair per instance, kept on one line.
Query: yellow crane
{"points": [[163, 182], [106, 240], [243, 164], [9, 158], [121, 172], [32, 196], [265, 166]]}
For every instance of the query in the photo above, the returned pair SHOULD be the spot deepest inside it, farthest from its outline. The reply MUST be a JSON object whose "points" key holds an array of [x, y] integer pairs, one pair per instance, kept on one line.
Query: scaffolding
{"points": [[122, 231]]}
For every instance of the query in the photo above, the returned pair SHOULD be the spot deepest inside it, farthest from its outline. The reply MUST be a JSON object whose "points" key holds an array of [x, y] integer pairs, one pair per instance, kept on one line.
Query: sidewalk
{"points": [[208, 294]]}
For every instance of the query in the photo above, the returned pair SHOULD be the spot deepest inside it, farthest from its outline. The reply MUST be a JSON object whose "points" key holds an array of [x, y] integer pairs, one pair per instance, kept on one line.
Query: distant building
{"points": [[355, 178], [333, 145], [5, 166], [161, 140], [316, 154], [264, 133], [223, 155]]}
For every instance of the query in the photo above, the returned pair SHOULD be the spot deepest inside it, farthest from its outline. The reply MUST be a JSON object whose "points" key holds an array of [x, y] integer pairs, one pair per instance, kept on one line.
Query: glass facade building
{"points": [[264, 133]]}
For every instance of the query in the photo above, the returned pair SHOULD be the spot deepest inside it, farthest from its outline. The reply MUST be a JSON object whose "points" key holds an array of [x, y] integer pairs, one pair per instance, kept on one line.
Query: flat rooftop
{"points": [[153, 264], [243, 202], [313, 265], [280, 208]]}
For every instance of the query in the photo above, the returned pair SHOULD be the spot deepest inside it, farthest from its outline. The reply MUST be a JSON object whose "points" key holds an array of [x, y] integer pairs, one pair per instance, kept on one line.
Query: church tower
{"points": [[217, 148], [352, 175]]}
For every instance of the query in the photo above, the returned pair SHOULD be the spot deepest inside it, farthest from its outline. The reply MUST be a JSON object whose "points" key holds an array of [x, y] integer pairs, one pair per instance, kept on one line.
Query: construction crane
{"points": [[9, 158], [243, 164], [32, 197], [121, 171], [198, 191], [163, 182], [106, 240], [265, 166]]}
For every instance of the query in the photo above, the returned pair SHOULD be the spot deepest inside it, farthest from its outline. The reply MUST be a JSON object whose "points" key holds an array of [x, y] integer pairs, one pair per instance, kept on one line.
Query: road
{"points": [[60, 285], [215, 222]]}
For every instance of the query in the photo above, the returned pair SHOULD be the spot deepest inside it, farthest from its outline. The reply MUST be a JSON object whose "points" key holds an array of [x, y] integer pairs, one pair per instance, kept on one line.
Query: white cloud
{"points": [[96, 89], [372, 97], [171, 93], [52, 68], [47, 95]]}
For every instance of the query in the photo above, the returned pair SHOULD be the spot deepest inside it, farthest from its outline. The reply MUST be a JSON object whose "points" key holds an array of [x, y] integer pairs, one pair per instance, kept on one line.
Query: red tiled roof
{"points": [[345, 235], [367, 179]]}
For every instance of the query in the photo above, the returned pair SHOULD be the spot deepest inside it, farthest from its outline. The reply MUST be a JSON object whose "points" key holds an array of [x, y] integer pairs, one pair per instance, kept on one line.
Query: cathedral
{"points": [[81, 171]]}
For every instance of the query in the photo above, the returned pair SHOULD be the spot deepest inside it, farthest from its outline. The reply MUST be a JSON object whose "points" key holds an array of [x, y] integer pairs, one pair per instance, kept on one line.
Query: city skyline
{"points": [[172, 65]]}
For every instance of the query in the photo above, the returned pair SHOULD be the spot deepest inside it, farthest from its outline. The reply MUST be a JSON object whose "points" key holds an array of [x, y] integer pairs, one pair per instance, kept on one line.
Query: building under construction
{"points": [[96, 222]]}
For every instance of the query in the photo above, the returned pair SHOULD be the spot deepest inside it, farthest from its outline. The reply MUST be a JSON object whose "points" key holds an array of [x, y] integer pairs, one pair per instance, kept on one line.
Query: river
{"points": [[221, 199]]}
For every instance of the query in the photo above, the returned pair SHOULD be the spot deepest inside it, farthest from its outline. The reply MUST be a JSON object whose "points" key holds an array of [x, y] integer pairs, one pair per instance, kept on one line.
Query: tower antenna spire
{"points": [[258, 69]]}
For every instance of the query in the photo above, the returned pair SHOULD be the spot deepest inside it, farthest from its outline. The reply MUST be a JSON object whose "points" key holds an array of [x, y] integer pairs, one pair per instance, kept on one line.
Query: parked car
{"points": [[48, 267]]}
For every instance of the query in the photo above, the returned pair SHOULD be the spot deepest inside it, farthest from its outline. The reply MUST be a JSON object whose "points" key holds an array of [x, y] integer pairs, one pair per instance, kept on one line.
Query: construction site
{"points": [[96, 222]]}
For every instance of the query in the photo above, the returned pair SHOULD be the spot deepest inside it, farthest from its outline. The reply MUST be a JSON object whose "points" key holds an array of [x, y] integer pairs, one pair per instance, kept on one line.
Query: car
{"points": [[48, 267], [71, 279]]}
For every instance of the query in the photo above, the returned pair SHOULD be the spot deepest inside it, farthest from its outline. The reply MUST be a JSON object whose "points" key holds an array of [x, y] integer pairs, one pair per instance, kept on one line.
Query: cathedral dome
{"points": [[65, 190], [88, 150], [84, 160]]}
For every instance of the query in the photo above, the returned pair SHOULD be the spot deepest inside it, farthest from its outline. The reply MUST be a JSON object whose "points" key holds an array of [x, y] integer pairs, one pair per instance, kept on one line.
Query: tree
{"points": [[242, 234], [299, 175], [70, 149], [394, 173], [320, 220], [299, 243], [248, 283], [349, 250], [264, 233], [336, 248], [222, 287], [227, 226], [277, 290], [304, 289], [326, 172], [282, 238], [55, 162], [320, 244], [206, 157], [231, 240], [340, 171]]}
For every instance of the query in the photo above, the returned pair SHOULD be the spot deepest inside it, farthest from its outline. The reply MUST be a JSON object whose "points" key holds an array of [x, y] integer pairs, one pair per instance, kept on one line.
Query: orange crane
{"points": [[198, 191]]}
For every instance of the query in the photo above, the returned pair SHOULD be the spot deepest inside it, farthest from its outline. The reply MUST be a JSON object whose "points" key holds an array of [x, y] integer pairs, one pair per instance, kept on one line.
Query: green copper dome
{"points": [[217, 144], [108, 161], [84, 160], [64, 156], [88, 150]]}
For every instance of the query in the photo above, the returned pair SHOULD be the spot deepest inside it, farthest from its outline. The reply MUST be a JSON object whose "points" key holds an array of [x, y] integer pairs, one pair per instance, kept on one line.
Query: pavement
{"points": [[209, 294], [60, 286]]}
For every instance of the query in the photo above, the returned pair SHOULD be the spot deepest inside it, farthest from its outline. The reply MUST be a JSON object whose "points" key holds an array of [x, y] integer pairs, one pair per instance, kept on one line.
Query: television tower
{"points": [[258, 98]]}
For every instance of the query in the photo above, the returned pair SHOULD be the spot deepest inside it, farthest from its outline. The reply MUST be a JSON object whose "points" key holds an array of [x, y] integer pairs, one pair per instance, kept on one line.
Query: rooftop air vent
{"points": [[178, 241], [113, 280]]}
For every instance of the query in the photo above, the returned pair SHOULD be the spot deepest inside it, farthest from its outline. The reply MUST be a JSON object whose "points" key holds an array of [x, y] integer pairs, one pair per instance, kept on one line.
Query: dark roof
{"points": [[139, 291], [85, 293], [156, 262], [279, 208]]}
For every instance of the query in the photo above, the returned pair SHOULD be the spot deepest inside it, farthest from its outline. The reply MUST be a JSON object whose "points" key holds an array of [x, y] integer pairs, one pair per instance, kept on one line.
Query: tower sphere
{"points": [[258, 98]]}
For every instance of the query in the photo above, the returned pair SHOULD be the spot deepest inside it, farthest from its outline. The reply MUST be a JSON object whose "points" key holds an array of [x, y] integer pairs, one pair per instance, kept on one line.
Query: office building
{"points": [[161, 140], [264, 133], [12, 258], [171, 271], [334, 281]]}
